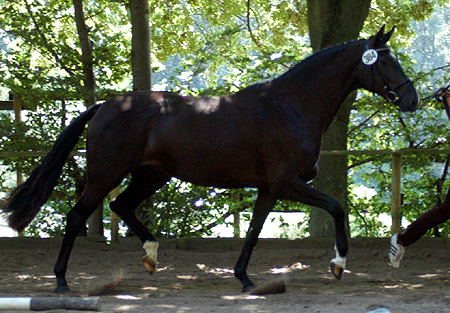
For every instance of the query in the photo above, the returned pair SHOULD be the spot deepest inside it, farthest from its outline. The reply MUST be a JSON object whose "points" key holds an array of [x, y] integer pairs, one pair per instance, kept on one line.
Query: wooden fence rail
{"points": [[396, 167], [396, 164]]}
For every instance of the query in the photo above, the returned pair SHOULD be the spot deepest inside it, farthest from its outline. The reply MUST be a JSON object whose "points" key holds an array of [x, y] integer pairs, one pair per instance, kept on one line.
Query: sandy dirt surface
{"points": [[196, 275]]}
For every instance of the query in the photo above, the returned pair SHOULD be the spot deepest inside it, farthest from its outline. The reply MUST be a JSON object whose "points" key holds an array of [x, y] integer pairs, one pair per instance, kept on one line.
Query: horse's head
{"points": [[381, 73]]}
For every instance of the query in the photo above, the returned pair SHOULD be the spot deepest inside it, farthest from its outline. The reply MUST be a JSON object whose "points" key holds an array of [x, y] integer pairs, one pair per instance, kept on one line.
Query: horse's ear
{"points": [[380, 33], [388, 35], [381, 37]]}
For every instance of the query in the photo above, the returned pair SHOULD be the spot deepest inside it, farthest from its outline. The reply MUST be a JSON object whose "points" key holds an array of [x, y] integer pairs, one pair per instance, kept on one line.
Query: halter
{"points": [[371, 61]]}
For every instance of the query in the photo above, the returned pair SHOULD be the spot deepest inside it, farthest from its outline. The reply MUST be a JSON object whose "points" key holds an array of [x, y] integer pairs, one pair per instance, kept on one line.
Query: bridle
{"points": [[392, 94]]}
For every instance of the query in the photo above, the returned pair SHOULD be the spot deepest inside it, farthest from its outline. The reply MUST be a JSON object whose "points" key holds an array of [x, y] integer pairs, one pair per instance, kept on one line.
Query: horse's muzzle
{"points": [[410, 101]]}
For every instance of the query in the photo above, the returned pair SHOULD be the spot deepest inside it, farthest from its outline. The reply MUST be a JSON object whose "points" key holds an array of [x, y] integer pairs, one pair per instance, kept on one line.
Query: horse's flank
{"points": [[220, 141]]}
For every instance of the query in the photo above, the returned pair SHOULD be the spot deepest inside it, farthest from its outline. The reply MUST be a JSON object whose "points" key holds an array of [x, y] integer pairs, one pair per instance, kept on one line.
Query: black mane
{"points": [[310, 63]]}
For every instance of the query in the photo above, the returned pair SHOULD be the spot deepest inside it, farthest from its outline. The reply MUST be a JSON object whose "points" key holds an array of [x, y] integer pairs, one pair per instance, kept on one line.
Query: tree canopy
{"points": [[204, 47]]}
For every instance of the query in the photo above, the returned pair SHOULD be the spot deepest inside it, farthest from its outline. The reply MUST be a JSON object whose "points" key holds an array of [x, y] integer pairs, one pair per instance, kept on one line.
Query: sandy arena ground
{"points": [[196, 275]]}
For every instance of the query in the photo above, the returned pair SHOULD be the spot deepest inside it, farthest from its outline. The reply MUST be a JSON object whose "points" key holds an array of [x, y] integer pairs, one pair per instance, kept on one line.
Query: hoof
{"points": [[248, 288], [336, 270], [62, 289], [149, 264]]}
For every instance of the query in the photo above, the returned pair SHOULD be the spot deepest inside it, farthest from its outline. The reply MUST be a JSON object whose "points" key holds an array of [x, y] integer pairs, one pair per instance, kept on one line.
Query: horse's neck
{"points": [[321, 87]]}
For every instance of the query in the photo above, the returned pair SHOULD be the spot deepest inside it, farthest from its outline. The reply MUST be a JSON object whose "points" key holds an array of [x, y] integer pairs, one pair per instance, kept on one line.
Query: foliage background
{"points": [[204, 47]]}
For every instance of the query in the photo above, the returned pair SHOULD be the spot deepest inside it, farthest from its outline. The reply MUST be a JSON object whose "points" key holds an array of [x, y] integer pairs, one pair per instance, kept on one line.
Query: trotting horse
{"points": [[267, 136]]}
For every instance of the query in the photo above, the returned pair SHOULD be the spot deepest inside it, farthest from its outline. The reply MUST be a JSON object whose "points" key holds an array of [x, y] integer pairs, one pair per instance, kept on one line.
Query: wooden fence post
{"points": [[236, 197], [236, 225], [396, 193], [95, 223]]}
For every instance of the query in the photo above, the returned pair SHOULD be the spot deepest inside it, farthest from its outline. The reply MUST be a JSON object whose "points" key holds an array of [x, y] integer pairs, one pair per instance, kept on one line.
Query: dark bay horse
{"points": [[266, 136]]}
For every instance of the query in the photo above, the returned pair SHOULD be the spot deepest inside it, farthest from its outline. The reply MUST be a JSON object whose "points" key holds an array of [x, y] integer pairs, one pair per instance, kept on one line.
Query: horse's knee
{"points": [[75, 221]]}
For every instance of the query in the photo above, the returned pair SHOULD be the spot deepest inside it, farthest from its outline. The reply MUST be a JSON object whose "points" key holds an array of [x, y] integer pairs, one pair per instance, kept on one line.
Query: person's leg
{"points": [[428, 220], [417, 229]]}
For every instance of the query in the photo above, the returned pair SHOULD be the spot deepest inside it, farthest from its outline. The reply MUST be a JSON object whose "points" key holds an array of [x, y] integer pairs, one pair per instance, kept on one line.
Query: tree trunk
{"points": [[140, 45], [140, 54], [86, 49], [331, 23], [95, 221]]}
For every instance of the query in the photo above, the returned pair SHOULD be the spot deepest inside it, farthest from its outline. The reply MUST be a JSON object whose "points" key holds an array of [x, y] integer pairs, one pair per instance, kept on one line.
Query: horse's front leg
{"points": [[300, 191], [264, 204]]}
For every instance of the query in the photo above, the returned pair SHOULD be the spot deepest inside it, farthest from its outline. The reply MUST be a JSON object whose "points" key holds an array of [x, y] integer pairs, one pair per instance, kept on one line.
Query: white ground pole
{"points": [[50, 303]]}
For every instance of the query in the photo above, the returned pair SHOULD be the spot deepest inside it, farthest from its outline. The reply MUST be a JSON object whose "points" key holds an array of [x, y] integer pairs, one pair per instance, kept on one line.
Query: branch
{"points": [[215, 223], [363, 122], [408, 133], [218, 221], [44, 39], [434, 69], [366, 226], [258, 45]]}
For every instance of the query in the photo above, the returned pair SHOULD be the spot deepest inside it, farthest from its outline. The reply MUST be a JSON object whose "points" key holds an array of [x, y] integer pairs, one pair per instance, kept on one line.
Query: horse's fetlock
{"points": [[151, 247]]}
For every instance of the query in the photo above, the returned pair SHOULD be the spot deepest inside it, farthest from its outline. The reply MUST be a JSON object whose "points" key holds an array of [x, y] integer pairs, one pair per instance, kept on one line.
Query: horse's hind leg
{"points": [[264, 204], [76, 219], [145, 182]]}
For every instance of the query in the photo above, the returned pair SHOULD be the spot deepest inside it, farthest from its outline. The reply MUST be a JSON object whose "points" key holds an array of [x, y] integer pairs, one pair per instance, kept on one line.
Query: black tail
{"points": [[26, 200]]}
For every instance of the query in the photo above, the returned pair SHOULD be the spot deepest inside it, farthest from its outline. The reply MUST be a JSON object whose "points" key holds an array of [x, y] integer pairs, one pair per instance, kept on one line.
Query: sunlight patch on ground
{"points": [[24, 277], [404, 285], [428, 275], [126, 307], [187, 277], [242, 297], [415, 286], [149, 288], [216, 271], [87, 276], [280, 270], [49, 276], [127, 297], [166, 306], [161, 269], [283, 270]]}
